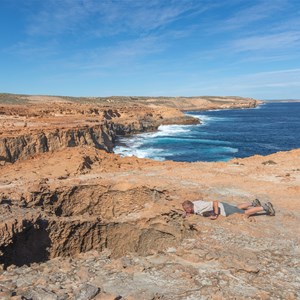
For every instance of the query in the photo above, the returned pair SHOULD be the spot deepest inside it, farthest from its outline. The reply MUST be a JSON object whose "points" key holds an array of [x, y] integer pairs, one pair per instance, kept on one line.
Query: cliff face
{"points": [[24, 146], [40, 126], [79, 222], [21, 146]]}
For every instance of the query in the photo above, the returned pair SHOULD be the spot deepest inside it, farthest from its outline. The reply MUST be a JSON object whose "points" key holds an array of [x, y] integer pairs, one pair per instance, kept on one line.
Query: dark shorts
{"points": [[232, 209]]}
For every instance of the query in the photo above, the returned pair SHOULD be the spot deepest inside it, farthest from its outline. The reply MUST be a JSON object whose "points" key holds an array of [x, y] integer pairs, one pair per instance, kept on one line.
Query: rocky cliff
{"points": [[51, 123], [79, 222], [27, 130], [26, 145]]}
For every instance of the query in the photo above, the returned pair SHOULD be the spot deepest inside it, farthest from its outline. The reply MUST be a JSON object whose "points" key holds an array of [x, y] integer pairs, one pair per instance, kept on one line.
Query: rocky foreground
{"points": [[79, 222]]}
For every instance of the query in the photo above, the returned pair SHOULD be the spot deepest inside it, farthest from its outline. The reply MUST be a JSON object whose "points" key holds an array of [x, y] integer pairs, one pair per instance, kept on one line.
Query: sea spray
{"points": [[222, 135]]}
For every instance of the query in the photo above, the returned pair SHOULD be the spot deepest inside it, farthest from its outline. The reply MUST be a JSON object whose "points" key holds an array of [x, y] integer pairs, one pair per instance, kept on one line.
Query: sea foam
{"points": [[222, 135]]}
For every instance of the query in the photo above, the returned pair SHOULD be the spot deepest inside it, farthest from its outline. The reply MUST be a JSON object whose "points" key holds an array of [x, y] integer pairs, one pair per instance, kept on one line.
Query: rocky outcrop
{"points": [[52, 123], [24, 146], [204, 103], [81, 221], [38, 129], [51, 223], [147, 125]]}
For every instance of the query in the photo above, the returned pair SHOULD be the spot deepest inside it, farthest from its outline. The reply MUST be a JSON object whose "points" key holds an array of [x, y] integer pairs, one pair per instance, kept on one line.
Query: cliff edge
{"points": [[37, 124], [79, 222]]}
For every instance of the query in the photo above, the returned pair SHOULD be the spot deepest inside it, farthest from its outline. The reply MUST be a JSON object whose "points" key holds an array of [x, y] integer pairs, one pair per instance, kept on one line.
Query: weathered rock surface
{"points": [[28, 129], [83, 223]]}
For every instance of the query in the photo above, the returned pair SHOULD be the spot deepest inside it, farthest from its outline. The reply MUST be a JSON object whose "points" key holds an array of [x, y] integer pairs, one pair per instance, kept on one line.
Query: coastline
{"points": [[77, 219], [152, 146], [38, 124]]}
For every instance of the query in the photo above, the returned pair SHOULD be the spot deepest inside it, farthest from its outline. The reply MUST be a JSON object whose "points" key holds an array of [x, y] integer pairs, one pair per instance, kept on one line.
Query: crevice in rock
{"points": [[77, 219], [28, 246]]}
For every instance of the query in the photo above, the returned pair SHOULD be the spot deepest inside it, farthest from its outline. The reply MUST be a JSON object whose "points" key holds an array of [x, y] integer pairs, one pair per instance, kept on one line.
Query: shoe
{"points": [[270, 209], [256, 203]]}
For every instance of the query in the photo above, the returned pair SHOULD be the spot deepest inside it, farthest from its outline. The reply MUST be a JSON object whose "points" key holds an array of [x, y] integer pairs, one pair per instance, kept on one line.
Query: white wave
{"points": [[171, 130], [206, 119], [131, 146], [221, 150], [219, 109], [163, 130], [231, 150], [259, 106], [134, 141], [140, 153], [194, 116]]}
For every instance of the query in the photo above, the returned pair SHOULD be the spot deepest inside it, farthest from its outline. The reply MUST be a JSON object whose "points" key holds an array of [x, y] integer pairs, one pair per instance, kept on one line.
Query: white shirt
{"points": [[201, 207]]}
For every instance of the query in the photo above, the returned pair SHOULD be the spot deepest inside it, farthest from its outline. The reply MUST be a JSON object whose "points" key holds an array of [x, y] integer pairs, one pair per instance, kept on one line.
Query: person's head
{"points": [[188, 206]]}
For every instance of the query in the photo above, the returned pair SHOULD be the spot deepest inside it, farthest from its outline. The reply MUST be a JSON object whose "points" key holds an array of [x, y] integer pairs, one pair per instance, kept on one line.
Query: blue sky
{"points": [[152, 48]]}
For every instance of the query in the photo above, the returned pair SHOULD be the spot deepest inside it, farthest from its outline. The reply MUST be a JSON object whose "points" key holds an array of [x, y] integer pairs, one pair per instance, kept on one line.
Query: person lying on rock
{"points": [[213, 209]]}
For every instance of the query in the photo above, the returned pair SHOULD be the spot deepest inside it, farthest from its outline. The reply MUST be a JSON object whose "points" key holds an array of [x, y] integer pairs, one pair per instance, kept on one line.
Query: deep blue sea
{"points": [[223, 135]]}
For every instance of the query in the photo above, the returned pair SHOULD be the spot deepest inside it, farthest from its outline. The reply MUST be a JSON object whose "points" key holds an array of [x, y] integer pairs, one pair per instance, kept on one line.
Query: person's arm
{"points": [[186, 214], [215, 210]]}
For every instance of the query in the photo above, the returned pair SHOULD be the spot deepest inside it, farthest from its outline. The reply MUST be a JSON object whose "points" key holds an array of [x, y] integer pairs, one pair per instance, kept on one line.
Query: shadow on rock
{"points": [[27, 247]]}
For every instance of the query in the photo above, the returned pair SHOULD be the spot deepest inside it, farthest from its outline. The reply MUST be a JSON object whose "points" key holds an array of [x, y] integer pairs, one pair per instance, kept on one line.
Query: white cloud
{"points": [[279, 72], [267, 42], [268, 84], [104, 18], [122, 53], [32, 51], [261, 10]]}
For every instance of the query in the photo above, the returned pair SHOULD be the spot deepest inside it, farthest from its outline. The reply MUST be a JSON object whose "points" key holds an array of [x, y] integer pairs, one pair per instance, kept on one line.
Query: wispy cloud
{"points": [[123, 53], [204, 46], [281, 82], [265, 42], [253, 12], [109, 17], [257, 84], [279, 72], [128, 55], [251, 17], [32, 51], [56, 17], [272, 79], [51, 22]]}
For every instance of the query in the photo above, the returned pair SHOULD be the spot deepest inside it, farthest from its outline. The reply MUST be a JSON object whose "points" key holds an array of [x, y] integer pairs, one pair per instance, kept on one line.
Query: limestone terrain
{"points": [[79, 222]]}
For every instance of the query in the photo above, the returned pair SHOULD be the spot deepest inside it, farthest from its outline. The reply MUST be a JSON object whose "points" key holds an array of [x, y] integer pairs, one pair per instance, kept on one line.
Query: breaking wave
{"points": [[221, 136]]}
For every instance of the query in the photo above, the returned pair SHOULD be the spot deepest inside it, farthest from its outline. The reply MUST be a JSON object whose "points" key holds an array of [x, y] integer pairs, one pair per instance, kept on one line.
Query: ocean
{"points": [[223, 135]]}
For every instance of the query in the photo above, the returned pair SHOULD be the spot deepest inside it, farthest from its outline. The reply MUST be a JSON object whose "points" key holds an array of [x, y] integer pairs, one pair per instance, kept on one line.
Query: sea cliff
{"points": [[79, 222], [38, 124]]}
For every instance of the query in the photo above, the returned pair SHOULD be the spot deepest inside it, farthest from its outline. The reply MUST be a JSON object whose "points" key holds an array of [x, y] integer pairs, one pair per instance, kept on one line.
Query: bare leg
{"points": [[253, 210], [244, 205]]}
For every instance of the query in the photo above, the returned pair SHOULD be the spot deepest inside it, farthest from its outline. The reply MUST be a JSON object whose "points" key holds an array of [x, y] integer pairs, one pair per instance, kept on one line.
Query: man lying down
{"points": [[213, 209]]}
